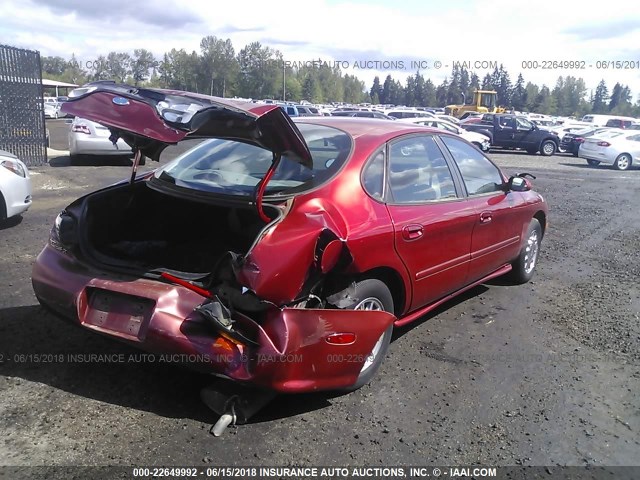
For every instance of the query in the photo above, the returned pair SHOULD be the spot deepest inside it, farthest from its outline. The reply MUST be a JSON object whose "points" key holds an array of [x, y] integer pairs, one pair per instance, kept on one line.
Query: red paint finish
{"points": [[135, 117], [426, 252], [294, 355], [437, 260]]}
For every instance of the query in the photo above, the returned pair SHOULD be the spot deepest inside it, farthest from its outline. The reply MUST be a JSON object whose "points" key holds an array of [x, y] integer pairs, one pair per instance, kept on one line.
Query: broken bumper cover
{"points": [[294, 353]]}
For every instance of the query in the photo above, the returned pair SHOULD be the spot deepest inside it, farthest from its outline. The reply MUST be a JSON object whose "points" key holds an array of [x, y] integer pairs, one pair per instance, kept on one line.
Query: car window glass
{"points": [[523, 123], [479, 174], [418, 171], [235, 168], [447, 127], [373, 176], [508, 122]]}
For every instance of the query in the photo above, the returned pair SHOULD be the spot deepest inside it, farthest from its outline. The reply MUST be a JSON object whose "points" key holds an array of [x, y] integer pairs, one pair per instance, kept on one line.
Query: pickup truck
{"points": [[512, 131]]}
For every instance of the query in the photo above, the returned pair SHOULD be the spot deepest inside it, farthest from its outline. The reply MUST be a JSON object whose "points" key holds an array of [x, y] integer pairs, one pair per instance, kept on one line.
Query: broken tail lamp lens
{"points": [[64, 234]]}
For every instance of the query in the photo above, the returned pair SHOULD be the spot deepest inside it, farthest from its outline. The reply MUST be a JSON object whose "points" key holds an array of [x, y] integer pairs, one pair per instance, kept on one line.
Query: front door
{"points": [[498, 223]]}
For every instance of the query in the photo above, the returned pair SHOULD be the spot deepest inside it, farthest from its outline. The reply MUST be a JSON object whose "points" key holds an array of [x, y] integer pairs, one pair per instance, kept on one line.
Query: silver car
{"points": [[90, 138], [620, 148]]}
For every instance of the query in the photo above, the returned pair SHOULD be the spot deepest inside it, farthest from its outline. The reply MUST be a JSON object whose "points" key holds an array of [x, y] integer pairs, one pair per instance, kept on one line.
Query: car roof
{"points": [[358, 126]]}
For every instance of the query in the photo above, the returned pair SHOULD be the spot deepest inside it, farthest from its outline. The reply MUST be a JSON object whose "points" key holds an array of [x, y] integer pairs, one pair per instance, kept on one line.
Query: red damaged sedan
{"points": [[280, 254]]}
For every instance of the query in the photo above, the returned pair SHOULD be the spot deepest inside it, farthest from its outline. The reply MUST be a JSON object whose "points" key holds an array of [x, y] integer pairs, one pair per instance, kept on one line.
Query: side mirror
{"points": [[518, 184]]}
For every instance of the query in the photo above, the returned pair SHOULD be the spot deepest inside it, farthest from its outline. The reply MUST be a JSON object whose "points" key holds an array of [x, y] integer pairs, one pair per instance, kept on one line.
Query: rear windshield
{"points": [[235, 168], [609, 134]]}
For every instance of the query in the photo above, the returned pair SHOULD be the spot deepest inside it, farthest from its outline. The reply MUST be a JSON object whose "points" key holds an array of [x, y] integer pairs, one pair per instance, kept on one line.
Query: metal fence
{"points": [[22, 128]]}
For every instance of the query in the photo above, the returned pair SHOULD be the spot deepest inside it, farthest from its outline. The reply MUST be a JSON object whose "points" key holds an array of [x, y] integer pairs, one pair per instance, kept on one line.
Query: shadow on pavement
{"points": [[10, 222], [92, 161], [37, 346]]}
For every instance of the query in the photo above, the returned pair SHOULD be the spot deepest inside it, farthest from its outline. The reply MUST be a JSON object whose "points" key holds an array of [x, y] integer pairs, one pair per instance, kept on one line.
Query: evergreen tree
{"points": [[428, 94], [376, 90], [442, 92], [453, 92], [419, 91], [503, 88], [474, 84], [487, 82], [410, 91], [616, 93], [559, 94], [545, 103], [600, 98], [519, 95], [531, 91], [386, 90]]}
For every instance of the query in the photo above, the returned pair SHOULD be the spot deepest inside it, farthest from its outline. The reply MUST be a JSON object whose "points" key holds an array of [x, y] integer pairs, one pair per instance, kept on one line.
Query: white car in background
{"points": [[479, 140], [407, 113], [617, 147], [51, 110], [449, 118], [15, 186], [87, 138]]}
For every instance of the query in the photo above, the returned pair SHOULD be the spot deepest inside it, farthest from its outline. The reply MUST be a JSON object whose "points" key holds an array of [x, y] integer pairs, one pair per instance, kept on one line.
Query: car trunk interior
{"points": [[137, 227]]}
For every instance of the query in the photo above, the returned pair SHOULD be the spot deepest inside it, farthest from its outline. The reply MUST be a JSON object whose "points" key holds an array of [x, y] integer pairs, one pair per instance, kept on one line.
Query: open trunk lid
{"points": [[150, 119]]}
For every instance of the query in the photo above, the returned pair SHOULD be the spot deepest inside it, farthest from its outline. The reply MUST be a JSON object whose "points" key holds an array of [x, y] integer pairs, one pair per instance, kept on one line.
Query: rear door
{"points": [[498, 216], [432, 220]]}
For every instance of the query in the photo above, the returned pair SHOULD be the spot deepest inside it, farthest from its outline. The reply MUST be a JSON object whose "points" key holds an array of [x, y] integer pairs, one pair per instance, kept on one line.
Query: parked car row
{"points": [[477, 139], [52, 106]]}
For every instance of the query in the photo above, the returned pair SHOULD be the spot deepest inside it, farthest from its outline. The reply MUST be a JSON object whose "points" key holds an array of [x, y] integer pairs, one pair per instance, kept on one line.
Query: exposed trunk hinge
{"points": [[134, 168], [262, 185]]}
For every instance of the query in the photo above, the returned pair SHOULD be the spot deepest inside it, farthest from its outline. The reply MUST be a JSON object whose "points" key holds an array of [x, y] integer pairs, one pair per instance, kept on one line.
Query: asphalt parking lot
{"points": [[542, 374]]}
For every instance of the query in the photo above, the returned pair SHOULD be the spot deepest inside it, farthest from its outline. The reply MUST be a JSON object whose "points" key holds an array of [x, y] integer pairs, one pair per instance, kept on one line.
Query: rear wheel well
{"points": [[394, 283]]}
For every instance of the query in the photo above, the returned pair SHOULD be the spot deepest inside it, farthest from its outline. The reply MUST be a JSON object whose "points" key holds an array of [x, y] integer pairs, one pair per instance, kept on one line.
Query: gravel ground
{"points": [[541, 374]]}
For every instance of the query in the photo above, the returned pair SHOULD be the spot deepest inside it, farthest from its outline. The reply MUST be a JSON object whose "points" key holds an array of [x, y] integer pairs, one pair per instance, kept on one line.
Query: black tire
{"points": [[75, 159], [575, 154], [524, 266], [3, 209], [623, 162], [373, 289], [548, 148], [593, 163]]}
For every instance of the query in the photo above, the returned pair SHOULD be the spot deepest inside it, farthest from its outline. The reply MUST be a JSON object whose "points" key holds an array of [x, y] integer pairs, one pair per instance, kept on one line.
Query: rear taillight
{"points": [[578, 139], [64, 234], [604, 144], [81, 128]]}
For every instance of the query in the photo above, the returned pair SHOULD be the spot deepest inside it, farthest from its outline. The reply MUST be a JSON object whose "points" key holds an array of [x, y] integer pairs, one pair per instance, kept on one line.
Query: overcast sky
{"points": [[503, 31]]}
